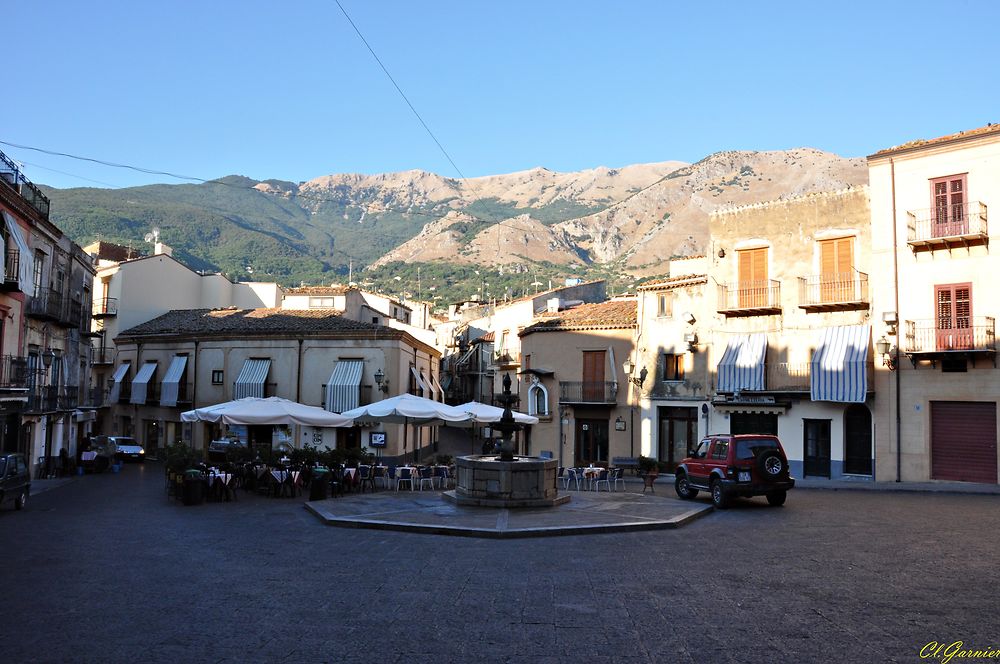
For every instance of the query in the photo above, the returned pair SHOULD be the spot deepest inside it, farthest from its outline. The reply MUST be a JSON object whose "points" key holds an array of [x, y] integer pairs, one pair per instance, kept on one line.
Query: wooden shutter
{"points": [[752, 287], [948, 205], [837, 270], [593, 375], [953, 316]]}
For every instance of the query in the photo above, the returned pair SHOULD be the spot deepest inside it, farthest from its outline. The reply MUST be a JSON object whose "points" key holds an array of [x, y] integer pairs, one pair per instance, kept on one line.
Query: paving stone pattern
{"points": [[108, 569]]}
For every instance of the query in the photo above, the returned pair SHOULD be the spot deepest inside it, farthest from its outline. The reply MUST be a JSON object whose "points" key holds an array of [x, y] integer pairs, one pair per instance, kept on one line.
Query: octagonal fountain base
{"points": [[485, 481]]}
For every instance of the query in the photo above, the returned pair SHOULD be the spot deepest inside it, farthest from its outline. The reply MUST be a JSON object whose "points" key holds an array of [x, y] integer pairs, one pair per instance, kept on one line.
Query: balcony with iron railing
{"points": [[13, 372], [43, 399], [948, 226], [929, 337], [105, 308], [46, 305], [760, 297], [588, 392], [797, 376], [506, 358], [11, 264], [73, 314], [69, 397], [101, 356], [835, 291], [11, 176], [92, 397]]}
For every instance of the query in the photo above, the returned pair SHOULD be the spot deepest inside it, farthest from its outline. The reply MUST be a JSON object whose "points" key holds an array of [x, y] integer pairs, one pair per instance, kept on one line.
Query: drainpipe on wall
{"points": [[298, 373], [895, 293]]}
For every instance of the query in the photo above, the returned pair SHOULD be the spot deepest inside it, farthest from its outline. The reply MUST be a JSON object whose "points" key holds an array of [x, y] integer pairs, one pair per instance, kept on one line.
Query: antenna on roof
{"points": [[154, 236]]}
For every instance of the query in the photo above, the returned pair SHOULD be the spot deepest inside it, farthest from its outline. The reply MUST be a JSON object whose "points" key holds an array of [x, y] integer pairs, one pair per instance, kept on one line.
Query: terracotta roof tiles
{"points": [[248, 322], [991, 128], [616, 314]]}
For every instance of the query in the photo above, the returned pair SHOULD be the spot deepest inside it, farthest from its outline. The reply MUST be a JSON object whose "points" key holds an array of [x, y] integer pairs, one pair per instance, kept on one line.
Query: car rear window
{"points": [[3, 467], [125, 441], [751, 447]]}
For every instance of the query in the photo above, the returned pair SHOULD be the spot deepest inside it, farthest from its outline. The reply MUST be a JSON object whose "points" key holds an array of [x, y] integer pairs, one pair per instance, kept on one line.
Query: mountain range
{"points": [[630, 220]]}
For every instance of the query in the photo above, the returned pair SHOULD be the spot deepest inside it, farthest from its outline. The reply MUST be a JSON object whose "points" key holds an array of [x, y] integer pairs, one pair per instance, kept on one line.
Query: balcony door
{"points": [[752, 286], [948, 204], [836, 270], [817, 448], [593, 375], [953, 316]]}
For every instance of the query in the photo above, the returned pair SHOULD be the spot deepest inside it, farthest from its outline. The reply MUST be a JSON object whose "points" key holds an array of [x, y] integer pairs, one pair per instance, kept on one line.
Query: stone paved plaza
{"points": [[106, 568]]}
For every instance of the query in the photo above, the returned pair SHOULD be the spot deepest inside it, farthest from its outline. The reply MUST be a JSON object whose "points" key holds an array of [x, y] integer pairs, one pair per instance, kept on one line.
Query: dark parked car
{"points": [[15, 481], [729, 465]]}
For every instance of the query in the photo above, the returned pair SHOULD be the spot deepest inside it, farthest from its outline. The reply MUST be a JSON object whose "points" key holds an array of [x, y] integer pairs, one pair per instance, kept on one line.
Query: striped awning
{"points": [[437, 386], [420, 382], [141, 382], [838, 371], [343, 390], [171, 386], [742, 365], [117, 378], [26, 260], [252, 379]]}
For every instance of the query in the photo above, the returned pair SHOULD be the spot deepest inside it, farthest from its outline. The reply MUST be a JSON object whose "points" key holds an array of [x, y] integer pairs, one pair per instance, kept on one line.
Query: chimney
{"points": [[161, 248], [552, 305]]}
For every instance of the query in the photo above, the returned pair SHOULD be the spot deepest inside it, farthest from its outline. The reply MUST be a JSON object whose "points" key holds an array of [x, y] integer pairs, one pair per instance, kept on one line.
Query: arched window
{"points": [[538, 398]]}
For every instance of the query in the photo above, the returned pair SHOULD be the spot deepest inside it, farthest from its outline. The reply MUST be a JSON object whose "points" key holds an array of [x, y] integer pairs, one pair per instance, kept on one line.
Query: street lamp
{"points": [[380, 381]]}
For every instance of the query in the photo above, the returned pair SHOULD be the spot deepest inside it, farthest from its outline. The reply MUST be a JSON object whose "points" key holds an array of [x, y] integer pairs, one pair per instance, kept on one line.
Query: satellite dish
{"points": [[148, 237], [154, 236]]}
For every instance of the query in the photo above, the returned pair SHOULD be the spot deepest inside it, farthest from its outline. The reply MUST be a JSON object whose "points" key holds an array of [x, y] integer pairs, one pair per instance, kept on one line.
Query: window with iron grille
{"points": [[217, 376]]}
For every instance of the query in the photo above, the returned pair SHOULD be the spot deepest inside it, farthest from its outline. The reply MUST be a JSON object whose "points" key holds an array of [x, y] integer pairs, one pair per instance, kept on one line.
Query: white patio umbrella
{"points": [[408, 409], [484, 413], [272, 410]]}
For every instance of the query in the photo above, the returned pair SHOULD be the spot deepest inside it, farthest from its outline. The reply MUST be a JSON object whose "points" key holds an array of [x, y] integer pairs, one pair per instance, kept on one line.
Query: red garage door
{"points": [[964, 441]]}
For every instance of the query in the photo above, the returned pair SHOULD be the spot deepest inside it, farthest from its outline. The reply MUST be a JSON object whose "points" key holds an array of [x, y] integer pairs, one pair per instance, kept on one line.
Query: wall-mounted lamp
{"points": [[380, 381], [47, 357], [884, 348], [722, 253], [891, 320], [628, 366], [619, 424]]}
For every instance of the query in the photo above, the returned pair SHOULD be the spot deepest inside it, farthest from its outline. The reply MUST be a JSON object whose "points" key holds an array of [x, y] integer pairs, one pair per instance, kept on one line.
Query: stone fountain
{"points": [[504, 479]]}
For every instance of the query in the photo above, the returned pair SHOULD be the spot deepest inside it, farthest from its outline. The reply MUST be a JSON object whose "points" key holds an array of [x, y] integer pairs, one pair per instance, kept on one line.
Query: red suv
{"points": [[735, 465]]}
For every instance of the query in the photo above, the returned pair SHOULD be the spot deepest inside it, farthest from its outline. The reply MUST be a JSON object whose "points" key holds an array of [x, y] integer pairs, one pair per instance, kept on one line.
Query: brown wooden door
{"points": [[836, 270], [964, 441], [752, 283], [591, 442], [953, 316], [593, 375]]}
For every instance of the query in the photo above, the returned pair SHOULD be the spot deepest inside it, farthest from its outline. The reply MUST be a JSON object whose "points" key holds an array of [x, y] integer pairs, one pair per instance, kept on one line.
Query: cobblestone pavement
{"points": [[108, 569]]}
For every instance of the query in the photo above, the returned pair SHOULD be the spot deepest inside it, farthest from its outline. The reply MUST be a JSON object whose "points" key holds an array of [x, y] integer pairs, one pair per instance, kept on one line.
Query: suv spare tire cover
{"points": [[771, 465]]}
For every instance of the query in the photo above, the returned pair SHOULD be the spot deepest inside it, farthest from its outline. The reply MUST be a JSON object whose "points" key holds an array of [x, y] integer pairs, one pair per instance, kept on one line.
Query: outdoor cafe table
{"points": [[591, 473], [281, 475], [223, 481]]}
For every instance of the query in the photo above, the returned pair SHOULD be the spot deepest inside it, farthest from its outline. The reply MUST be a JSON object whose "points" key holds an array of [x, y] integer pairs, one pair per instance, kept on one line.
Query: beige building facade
{"points": [[936, 306], [790, 338], [189, 359], [571, 369]]}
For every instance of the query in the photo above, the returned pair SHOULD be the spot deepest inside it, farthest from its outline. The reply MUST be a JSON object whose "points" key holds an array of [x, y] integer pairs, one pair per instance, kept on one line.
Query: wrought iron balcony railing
{"points": [[43, 399], [46, 305], [758, 297], [11, 271], [588, 392], [966, 221], [10, 175], [14, 372], [969, 334], [838, 289], [102, 356], [106, 307]]}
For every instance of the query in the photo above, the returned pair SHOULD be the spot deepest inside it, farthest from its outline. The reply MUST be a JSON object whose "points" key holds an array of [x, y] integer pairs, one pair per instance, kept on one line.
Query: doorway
{"points": [[817, 448], [678, 432], [591, 442], [858, 440]]}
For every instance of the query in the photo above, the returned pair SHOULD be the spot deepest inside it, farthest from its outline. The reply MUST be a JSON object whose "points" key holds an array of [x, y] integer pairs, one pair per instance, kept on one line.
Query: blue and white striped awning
{"points": [[171, 386], [838, 371], [742, 365], [117, 378], [343, 390], [424, 390], [252, 379], [141, 382]]}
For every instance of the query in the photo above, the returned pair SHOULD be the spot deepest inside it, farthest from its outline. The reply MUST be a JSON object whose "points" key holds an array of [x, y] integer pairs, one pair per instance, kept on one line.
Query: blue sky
{"points": [[290, 92]]}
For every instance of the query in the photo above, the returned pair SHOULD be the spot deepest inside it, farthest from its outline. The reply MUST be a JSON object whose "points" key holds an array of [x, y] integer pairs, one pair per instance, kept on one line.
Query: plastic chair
{"points": [[604, 477], [382, 473], [404, 475], [426, 475], [616, 477], [441, 475]]}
